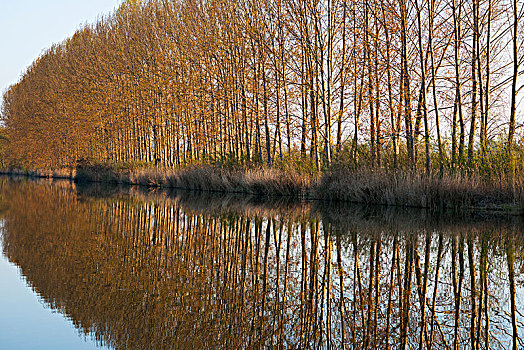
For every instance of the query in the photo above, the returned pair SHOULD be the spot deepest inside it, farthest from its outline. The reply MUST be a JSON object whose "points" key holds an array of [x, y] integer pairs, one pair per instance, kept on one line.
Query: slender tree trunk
{"points": [[458, 84], [471, 143], [484, 139], [342, 80], [423, 87], [513, 106], [433, 81], [266, 117], [406, 93]]}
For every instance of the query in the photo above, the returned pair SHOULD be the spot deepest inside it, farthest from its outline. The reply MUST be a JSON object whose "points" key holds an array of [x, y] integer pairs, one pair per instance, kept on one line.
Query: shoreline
{"points": [[440, 194]]}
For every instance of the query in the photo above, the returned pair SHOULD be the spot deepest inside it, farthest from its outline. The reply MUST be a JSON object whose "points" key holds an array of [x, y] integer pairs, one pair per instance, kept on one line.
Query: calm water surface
{"points": [[88, 267]]}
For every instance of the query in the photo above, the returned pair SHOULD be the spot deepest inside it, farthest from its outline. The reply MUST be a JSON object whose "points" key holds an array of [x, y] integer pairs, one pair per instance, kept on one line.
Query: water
{"points": [[27, 323], [129, 268]]}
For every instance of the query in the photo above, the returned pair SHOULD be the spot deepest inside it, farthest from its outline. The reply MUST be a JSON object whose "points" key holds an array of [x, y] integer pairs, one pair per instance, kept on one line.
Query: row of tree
{"points": [[397, 83]]}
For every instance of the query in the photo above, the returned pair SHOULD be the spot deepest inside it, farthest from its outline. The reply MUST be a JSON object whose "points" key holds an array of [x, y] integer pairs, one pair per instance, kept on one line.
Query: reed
{"points": [[406, 188], [439, 191], [259, 181], [60, 173]]}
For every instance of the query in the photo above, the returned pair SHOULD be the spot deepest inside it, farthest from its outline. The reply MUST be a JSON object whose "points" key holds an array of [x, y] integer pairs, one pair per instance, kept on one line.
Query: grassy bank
{"points": [[263, 181], [61, 173], [448, 191], [439, 192]]}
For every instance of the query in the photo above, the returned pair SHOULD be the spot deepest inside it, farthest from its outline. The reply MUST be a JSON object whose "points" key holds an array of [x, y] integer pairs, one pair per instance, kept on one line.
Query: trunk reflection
{"points": [[157, 270]]}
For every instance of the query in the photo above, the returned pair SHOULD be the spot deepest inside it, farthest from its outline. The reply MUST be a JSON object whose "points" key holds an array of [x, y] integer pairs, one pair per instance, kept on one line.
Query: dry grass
{"points": [[268, 182], [451, 191], [62, 173], [447, 191]]}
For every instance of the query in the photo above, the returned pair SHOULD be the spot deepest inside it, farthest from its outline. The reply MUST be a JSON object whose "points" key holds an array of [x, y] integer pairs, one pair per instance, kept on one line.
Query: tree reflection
{"points": [[153, 270]]}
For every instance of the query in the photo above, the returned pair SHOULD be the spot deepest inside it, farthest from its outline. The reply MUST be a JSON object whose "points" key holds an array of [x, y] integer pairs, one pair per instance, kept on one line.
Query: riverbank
{"points": [[439, 192], [66, 174]]}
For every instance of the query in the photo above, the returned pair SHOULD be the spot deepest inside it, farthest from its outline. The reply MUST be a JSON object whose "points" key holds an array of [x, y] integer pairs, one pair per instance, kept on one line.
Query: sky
{"points": [[28, 27]]}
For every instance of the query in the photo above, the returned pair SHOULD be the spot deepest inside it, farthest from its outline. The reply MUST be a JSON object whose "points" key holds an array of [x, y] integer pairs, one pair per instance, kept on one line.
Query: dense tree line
{"points": [[412, 83]]}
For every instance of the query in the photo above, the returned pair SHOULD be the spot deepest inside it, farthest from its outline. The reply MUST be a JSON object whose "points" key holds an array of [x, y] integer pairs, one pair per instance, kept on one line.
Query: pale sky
{"points": [[28, 27]]}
